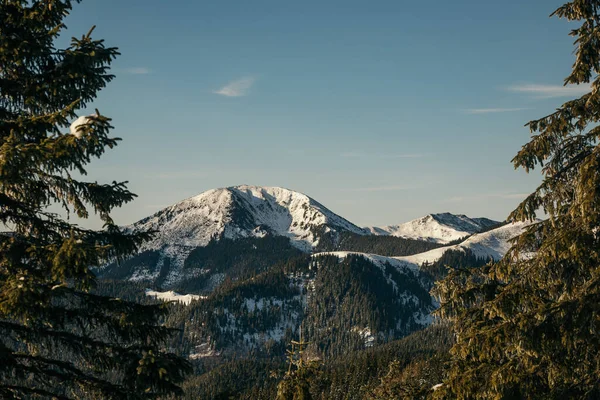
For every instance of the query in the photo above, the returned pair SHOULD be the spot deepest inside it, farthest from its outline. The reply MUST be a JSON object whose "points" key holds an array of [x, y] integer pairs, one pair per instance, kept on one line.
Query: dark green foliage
{"points": [[227, 314], [57, 339], [237, 259], [349, 295], [120, 270], [463, 258], [458, 241], [382, 245], [352, 294], [351, 376], [527, 327], [131, 291], [224, 253], [414, 381], [243, 379], [355, 376], [297, 385]]}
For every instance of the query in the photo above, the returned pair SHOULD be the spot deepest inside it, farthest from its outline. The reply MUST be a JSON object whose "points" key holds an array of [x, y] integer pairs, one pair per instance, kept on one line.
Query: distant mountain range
{"points": [[250, 264], [244, 212]]}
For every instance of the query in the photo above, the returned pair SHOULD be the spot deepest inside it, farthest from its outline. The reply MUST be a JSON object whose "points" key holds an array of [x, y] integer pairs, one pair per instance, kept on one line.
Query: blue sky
{"points": [[384, 111]]}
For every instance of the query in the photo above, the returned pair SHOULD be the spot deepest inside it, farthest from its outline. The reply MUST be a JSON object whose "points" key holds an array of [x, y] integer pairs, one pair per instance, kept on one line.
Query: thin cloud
{"points": [[384, 156], [181, 175], [458, 199], [492, 110], [549, 91], [392, 188], [237, 88], [137, 70], [382, 188]]}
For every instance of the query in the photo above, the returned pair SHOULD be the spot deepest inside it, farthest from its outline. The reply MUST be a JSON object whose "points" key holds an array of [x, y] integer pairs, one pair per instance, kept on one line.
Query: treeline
{"points": [[382, 245], [237, 259], [462, 258]]}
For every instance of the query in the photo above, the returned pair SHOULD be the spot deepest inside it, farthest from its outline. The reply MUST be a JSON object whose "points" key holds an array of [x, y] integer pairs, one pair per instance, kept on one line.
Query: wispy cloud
{"points": [[392, 188], [478, 197], [237, 88], [492, 110], [137, 70], [384, 156], [549, 91], [180, 175]]}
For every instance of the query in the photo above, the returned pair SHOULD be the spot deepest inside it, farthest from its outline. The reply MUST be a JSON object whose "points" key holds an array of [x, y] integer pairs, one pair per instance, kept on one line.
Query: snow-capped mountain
{"points": [[243, 211], [235, 213], [439, 228], [175, 254]]}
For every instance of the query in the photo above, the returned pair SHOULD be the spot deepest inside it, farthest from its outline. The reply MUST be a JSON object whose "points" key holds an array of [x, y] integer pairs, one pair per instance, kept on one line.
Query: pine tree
{"points": [[528, 327], [296, 383], [414, 381], [57, 339]]}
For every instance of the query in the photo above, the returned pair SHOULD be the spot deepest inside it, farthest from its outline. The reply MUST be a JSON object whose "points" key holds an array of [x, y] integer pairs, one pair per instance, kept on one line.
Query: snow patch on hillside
{"points": [[173, 296], [379, 261], [254, 304], [493, 244], [366, 335], [203, 350]]}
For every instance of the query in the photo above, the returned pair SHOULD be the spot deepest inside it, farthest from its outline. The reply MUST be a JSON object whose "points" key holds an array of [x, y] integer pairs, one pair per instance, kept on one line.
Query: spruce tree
{"points": [[296, 383], [57, 338], [528, 327]]}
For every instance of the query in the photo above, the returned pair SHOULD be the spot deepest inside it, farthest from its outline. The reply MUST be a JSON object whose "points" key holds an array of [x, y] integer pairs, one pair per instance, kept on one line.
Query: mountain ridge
{"points": [[247, 212], [248, 265], [490, 245], [243, 211], [440, 228], [237, 212]]}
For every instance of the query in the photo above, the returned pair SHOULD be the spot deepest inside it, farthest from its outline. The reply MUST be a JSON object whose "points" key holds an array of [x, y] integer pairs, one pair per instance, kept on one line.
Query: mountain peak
{"points": [[440, 227], [239, 212]]}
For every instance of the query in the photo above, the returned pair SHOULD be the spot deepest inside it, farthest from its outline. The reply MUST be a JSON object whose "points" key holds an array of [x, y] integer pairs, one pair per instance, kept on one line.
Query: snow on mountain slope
{"points": [[243, 211], [492, 244], [376, 259], [238, 212], [439, 228]]}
